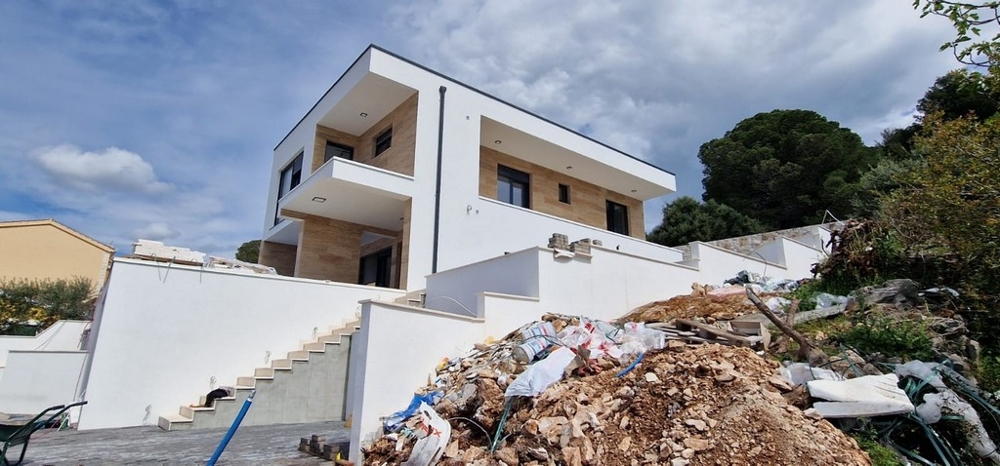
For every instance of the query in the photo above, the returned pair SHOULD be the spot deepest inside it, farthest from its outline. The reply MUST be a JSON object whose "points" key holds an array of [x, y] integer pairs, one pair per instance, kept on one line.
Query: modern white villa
{"points": [[409, 217]]}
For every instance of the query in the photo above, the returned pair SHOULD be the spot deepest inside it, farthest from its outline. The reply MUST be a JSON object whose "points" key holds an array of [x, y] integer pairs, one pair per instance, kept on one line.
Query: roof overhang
{"points": [[608, 168]]}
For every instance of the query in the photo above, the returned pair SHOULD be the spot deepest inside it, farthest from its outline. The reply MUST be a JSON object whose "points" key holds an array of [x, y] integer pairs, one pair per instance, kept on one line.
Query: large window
{"points": [[513, 186], [290, 177], [337, 150], [383, 141], [617, 218]]}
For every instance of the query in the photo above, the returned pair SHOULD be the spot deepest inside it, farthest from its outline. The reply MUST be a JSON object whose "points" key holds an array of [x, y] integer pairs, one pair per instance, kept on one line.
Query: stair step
{"points": [[189, 411], [170, 422], [300, 355], [281, 364], [244, 381], [334, 338], [263, 372], [315, 347]]}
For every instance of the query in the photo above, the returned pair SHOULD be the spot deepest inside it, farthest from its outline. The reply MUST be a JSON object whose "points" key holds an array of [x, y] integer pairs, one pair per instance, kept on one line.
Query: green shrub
{"points": [[26, 304], [907, 339]]}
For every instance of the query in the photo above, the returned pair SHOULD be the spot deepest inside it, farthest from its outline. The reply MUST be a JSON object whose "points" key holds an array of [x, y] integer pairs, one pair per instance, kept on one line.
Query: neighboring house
{"points": [[49, 250], [399, 172]]}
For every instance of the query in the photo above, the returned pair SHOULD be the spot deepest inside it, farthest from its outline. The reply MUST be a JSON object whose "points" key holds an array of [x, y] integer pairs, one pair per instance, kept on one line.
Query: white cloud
{"points": [[158, 231], [111, 168]]}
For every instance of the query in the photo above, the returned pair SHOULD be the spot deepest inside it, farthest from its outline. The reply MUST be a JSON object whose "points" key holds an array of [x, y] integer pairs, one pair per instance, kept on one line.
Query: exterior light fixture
{"points": [[364, 115], [319, 199], [569, 167], [633, 190], [498, 142]]}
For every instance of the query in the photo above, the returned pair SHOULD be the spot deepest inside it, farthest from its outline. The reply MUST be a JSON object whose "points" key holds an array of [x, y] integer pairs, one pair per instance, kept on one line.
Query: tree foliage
{"points": [[970, 46], [39, 304], [786, 168], [961, 92], [249, 251], [685, 220], [950, 203]]}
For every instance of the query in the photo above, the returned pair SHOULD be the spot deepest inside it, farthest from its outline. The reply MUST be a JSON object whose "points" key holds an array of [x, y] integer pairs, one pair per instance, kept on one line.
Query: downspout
{"points": [[437, 186]]}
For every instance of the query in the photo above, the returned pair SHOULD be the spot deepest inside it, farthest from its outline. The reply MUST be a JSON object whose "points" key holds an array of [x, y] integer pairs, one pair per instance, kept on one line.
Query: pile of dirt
{"points": [[705, 404], [692, 306]]}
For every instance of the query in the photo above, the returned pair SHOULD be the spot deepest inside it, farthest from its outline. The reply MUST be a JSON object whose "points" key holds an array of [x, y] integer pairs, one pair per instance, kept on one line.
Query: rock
{"points": [[697, 444], [725, 377], [948, 328], [972, 351], [960, 365], [679, 462], [676, 346], [625, 444], [901, 291], [780, 383], [812, 414], [623, 425], [539, 453], [571, 456], [530, 427], [452, 450], [507, 455], [652, 378], [472, 454], [687, 453], [697, 424]]}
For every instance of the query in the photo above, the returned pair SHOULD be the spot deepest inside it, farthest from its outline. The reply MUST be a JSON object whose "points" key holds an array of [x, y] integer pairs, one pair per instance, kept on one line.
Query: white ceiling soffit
{"points": [[643, 182], [366, 104]]}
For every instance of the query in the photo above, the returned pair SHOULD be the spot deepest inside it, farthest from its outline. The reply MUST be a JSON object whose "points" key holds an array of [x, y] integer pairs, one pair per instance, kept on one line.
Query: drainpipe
{"points": [[437, 187]]}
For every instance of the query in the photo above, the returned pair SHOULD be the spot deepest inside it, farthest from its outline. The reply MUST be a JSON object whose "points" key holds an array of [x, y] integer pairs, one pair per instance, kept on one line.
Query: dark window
{"points": [[337, 150], [617, 218], [376, 268], [290, 177], [513, 186], [383, 141], [564, 193]]}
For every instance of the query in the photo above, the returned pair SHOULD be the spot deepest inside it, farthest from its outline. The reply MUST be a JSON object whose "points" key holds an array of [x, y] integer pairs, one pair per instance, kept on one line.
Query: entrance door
{"points": [[376, 268]]}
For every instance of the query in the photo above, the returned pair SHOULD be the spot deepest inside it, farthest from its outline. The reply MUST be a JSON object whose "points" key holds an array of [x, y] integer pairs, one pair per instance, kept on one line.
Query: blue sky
{"points": [[129, 119]]}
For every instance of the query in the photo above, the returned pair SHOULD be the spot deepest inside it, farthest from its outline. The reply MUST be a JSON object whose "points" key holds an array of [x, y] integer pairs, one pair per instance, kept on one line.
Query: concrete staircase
{"points": [[309, 385]]}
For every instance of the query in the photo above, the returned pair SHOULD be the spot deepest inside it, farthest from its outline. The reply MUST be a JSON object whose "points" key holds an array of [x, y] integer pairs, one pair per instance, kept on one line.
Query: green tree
{"points": [[959, 93], [950, 203], [685, 220], [969, 46], [249, 251], [786, 168], [39, 304]]}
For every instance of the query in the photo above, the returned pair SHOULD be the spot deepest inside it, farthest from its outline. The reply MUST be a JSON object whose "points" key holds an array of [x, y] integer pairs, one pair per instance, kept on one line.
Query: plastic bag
{"points": [[540, 375], [394, 421]]}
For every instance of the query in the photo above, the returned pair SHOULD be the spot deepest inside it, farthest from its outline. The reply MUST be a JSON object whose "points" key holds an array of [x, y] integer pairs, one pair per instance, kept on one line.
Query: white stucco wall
{"points": [[35, 380], [456, 290], [64, 335], [164, 331]]}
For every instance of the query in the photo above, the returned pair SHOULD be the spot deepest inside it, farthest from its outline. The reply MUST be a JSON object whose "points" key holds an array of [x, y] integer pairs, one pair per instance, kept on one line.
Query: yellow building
{"points": [[49, 250]]}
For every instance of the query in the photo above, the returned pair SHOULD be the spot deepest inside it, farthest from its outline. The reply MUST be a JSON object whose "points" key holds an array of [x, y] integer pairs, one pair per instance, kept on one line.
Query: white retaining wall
{"points": [[165, 331], [35, 380], [65, 335]]}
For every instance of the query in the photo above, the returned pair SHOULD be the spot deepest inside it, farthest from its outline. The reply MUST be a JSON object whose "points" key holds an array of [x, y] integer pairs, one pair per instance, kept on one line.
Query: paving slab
{"points": [[149, 445]]}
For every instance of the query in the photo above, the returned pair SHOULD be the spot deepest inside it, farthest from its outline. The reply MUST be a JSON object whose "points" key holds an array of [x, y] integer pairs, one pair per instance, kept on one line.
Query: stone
{"points": [[973, 350], [572, 457], [623, 425], [452, 450], [676, 346], [507, 455], [697, 444], [697, 424], [652, 378], [625, 444], [539, 453], [679, 462], [687, 453], [530, 427], [725, 377], [472, 454]]}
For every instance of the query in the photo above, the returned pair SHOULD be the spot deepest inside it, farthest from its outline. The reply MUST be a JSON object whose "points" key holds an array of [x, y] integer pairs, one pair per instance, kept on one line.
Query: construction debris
{"points": [[621, 401], [318, 446]]}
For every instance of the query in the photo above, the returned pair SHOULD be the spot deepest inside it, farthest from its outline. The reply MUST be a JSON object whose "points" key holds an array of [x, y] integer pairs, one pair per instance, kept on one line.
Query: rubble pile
{"points": [[696, 305], [619, 402]]}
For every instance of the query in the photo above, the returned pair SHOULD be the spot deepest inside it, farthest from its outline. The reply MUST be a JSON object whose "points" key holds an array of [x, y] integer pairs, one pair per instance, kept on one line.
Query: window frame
{"points": [[513, 178], [293, 170], [336, 145], [564, 194], [612, 208], [383, 141]]}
